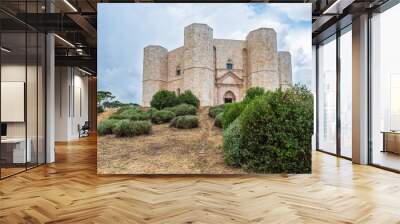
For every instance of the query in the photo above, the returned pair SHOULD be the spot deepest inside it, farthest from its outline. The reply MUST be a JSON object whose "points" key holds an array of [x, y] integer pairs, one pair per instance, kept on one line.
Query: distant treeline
{"points": [[105, 99]]}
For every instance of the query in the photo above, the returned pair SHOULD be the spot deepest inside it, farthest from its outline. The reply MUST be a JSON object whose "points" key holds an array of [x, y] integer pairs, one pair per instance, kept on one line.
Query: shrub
{"points": [[252, 93], [124, 108], [231, 112], [131, 113], [214, 111], [163, 99], [151, 111], [106, 126], [276, 131], [100, 109], [183, 109], [162, 116], [218, 120], [185, 122], [231, 144], [139, 116], [188, 97], [127, 128]]}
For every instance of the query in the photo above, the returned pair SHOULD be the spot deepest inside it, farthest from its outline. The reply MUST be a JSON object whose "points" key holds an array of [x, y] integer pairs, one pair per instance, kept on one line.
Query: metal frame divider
{"points": [[338, 82]]}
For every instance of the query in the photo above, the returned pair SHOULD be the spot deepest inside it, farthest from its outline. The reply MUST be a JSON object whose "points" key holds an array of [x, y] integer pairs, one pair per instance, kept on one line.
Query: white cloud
{"points": [[295, 11], [125, 29]]}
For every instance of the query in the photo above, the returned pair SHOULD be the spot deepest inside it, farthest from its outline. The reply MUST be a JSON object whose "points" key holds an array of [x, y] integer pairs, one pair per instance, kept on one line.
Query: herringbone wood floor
{"points": [[69, 191]]}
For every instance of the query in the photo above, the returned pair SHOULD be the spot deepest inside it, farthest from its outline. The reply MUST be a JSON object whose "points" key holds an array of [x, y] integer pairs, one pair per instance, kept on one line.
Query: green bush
{"points": [[162, 116], [188, 97], [131, 113], [252, 93], [127, 128], [106, 126], [151, 111], [231, 112], [100, 109], [183, 109], [231, 144], [185, 122], [218, 120], [214, 111], [141, 116], [163, 99], [124, 108], [276, 131]]}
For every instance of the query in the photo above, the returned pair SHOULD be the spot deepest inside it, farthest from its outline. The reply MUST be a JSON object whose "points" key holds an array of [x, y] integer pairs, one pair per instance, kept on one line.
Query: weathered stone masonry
{"points": [[216, 70]]}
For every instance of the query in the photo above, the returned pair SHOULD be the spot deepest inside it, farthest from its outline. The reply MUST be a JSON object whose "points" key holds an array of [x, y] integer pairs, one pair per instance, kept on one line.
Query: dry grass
{"points": [[166, 151]]}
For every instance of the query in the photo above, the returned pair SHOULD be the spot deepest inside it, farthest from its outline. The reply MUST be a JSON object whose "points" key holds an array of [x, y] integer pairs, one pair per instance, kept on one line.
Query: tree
{"points": [[104, 96]]}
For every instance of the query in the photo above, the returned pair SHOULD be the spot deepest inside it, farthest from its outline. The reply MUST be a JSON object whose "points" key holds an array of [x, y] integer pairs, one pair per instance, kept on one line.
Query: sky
{"points": [[125, 29]]}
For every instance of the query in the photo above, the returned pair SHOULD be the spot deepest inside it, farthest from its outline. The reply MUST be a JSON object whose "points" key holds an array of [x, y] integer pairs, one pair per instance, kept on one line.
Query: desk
{"points": [[391, 141], [18, 150]]}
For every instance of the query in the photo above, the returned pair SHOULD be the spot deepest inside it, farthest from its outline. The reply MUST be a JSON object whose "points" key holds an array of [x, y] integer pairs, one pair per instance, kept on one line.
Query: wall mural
{"points": [[193, 93]]}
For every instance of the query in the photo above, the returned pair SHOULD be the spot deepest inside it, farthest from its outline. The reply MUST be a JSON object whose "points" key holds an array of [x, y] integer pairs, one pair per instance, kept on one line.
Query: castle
{"points": [[217, 71]]}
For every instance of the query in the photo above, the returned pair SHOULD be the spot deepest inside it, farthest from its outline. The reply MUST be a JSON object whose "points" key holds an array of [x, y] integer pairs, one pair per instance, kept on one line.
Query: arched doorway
{"points": [[229, 97]]}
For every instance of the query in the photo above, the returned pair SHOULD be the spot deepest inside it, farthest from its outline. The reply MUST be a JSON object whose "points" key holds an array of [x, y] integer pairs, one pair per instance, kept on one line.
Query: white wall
{"points": [[71, 102]]}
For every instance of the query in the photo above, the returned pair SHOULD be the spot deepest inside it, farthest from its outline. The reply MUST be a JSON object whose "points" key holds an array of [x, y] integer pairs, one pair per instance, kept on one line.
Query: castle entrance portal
{"points": [[229, 97]]}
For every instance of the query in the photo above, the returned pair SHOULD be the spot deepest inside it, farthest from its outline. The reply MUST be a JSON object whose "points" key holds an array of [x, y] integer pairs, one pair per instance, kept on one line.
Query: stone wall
{"points": [[229, 49], [175, 60]]}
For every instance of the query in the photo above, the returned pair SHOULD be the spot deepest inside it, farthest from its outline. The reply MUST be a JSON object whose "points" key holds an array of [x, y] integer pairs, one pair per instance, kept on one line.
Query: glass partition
{"points": [[327, 96], [346, 93], [385, 89], [31, 97], [22, 77], [14, 153], [41, 97]]}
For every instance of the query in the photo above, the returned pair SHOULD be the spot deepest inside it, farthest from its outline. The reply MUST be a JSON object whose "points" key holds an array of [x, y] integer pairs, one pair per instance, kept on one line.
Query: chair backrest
{"points": [[86, 125]]}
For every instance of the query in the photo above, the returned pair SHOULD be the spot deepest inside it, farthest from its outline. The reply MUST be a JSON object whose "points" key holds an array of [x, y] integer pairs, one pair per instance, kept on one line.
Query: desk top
{"points": [[13, 140], [391, 132]]}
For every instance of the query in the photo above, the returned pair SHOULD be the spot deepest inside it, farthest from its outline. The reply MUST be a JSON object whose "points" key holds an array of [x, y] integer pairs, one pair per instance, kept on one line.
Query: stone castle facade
{"points": [[216, 70]]}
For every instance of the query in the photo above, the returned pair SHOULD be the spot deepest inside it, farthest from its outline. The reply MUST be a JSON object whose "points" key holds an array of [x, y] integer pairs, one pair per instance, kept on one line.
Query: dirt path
{"points": [[107, 112], [166, 151]]}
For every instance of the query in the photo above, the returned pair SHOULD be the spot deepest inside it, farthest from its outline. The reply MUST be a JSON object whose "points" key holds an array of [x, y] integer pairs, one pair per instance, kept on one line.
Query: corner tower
{"points": [[155, 75], [263, 58], [198, 65], [285, 69]]}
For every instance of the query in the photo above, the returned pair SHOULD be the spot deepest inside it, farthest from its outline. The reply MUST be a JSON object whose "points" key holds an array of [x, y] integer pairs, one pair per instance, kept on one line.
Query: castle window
{"points": [[229, 64], [178, 71]]}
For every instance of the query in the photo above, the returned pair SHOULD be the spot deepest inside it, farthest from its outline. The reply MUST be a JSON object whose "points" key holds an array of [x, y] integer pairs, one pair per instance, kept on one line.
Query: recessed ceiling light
{"points": [[84, 71], [5, 50], [70, 5], [64, 40], [338, 6]]}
